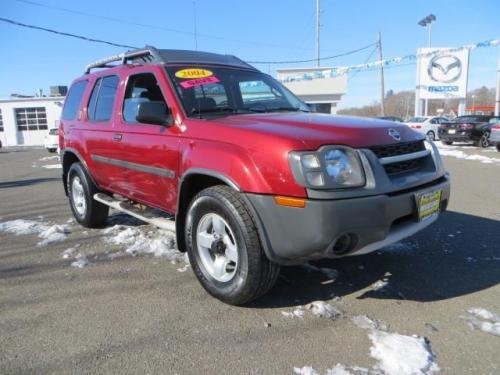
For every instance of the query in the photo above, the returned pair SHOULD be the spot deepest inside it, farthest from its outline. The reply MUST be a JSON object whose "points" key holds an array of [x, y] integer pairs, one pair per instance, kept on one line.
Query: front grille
{"points": [[403, 166], [398, 149]]}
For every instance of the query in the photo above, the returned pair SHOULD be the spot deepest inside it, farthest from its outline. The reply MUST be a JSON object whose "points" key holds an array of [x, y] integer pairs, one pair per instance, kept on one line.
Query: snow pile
{"points": [[306, 370], [484, 320], [459, 154], [319, 309], [365, 322], [46, 158], [143, 240], [68, 253], [380, 285], [297, 313], [55, 233], [80, 261], [49, 234], [52, 166], [400, 354], [396, 354]]}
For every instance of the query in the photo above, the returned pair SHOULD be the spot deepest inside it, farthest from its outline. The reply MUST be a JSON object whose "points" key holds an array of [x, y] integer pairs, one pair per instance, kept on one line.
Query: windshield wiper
{"points": [[291, 109]]}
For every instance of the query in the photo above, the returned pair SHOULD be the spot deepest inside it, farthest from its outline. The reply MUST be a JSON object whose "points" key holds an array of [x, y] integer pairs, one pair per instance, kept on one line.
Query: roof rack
{"points": [[147, 54]]}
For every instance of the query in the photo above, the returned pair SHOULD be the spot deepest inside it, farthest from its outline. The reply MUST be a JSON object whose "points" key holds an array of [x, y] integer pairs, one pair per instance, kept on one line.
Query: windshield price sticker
{"points": [[193, 73], [198, 82]]}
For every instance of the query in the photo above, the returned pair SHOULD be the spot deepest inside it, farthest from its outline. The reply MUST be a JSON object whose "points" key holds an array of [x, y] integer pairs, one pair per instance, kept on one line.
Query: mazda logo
{"points": [[394, 134], [444, 68]]}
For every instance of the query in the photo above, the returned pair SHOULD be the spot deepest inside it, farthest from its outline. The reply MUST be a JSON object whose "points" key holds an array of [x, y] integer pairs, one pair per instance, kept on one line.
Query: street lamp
{"points": [[427, 22]]}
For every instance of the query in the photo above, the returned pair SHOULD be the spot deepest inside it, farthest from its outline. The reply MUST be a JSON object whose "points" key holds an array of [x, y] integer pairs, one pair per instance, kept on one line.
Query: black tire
{"points": [[484, 141], [431, 136], [498, 146], [447, 143], [51, 150], [95, 213], [254, 274]]}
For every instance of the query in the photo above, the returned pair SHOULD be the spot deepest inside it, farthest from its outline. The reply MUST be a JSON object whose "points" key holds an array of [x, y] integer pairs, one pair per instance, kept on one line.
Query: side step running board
{"points": [[124, 207]]}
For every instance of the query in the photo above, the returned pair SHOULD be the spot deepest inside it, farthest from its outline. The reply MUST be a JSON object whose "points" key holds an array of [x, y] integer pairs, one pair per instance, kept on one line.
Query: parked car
{"points": [[253, 179], [51, 140], [390, 118], [427, 125], [495, 132], [469, 128]]}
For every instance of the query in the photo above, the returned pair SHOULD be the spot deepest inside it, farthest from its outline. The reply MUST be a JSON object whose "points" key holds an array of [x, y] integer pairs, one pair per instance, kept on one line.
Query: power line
{"points": [[65, 34], [157, 27], [312, 60]]}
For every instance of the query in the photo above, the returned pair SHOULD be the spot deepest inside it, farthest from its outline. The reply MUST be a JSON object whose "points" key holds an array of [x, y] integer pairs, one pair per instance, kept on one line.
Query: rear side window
{"points": [[72, 102], [103, 98]]}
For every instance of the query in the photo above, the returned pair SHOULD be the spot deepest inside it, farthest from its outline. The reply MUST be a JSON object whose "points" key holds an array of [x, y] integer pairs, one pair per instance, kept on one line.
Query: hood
{"points": [[315, 130]]}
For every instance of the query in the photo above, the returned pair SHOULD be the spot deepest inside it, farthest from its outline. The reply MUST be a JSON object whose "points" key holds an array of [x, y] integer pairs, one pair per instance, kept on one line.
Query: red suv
{"points": [[251, 177]]}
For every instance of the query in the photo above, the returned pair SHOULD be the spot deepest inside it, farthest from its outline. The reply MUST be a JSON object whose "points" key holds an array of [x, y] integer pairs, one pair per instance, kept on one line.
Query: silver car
{"points": [[495, 132]]}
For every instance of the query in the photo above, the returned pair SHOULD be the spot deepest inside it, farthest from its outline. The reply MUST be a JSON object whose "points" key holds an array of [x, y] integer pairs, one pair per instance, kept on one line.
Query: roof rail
{"points": [[147, 54]]}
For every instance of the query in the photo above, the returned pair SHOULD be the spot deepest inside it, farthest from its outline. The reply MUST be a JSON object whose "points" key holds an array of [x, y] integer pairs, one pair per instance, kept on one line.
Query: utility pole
{"points": [[382, 88], [318, 25], [497, 98], [195, 27]]}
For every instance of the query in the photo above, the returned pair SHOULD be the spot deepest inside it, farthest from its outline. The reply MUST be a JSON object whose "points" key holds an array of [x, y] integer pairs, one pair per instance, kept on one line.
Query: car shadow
{"points": [[459, 255]]}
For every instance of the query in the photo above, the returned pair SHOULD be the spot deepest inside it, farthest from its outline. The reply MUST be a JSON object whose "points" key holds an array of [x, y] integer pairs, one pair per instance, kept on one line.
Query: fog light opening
{"points": [[345, 243]]}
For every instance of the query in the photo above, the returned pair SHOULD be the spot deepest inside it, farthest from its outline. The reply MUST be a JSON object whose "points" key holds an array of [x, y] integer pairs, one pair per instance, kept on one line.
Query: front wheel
{"points": [[224, 247], [86, 210]]}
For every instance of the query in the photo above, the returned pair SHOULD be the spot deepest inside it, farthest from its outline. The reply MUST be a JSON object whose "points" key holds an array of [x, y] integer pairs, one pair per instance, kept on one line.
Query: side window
{"points": [[101, 102], [140, 88], [255, 91], [73, 99], [434, 121]]}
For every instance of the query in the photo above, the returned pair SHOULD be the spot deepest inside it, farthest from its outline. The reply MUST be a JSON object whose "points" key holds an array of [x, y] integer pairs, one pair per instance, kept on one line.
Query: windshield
{"points": [[494, 120], [209, 91], [417, 119]]}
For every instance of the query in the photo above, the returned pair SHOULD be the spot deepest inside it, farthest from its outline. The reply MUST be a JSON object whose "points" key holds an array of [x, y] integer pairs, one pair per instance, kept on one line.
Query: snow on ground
{"points": [[395, 354], [80, 261], [320, 309], [457, 152], [48, 233], [138, 240], [47, 158], [365, 322], [331, 273], [483, 320], [400, 354], [52, 166]]}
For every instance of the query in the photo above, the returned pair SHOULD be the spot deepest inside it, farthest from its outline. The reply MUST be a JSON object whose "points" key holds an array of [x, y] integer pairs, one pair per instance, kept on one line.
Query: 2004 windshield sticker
{"points": [[195, 77]]}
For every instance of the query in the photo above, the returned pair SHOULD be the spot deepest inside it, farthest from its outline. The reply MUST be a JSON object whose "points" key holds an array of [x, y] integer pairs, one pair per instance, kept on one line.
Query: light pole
{"points": [[427, 22]]}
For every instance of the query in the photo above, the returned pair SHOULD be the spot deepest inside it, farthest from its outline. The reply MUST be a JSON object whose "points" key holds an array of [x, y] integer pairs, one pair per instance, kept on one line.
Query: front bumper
{"points": [[295, 235]]}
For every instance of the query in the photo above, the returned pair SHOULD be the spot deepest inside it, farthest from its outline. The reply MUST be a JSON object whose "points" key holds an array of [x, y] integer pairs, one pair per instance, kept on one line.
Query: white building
{"points": [[323, 93], [25, 121]]}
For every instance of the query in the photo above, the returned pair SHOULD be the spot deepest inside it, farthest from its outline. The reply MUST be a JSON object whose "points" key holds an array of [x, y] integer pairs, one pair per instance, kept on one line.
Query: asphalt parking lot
{"points": [[99, 309]]}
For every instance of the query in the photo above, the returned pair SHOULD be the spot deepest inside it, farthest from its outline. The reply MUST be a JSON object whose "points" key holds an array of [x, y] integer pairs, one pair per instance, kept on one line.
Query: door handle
{"points": [[117, 137]]}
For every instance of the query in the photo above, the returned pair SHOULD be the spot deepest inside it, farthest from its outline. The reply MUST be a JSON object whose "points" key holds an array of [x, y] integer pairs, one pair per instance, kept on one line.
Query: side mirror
{"points": [[156, 113]]}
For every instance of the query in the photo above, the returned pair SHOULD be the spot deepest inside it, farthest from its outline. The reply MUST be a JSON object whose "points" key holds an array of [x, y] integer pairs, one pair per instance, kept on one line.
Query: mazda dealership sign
{"points": [[442, 73]]}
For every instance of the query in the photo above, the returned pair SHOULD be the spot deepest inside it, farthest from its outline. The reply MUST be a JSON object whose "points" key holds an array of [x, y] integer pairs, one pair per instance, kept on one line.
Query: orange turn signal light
{"points": [[289, 201]]}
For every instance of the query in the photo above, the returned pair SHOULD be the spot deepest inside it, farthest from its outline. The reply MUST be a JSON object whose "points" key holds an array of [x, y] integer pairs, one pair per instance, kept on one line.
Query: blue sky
{"points": [[252, 30]]}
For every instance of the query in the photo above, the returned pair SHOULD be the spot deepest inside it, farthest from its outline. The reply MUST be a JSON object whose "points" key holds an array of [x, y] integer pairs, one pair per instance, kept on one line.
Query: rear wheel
{"points": [[224, 247], [484, 141], [87, 211], [431, 136], [498, 146], [448, 143]]}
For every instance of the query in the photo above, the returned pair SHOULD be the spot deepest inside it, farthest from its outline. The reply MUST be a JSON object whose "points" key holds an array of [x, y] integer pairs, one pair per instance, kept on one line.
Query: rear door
{"points": [[148, 154], [98, 133]]}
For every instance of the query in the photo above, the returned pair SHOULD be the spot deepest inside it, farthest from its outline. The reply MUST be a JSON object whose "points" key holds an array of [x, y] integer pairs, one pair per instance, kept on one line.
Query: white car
{"points": [[52, 140], [427, 125]]}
